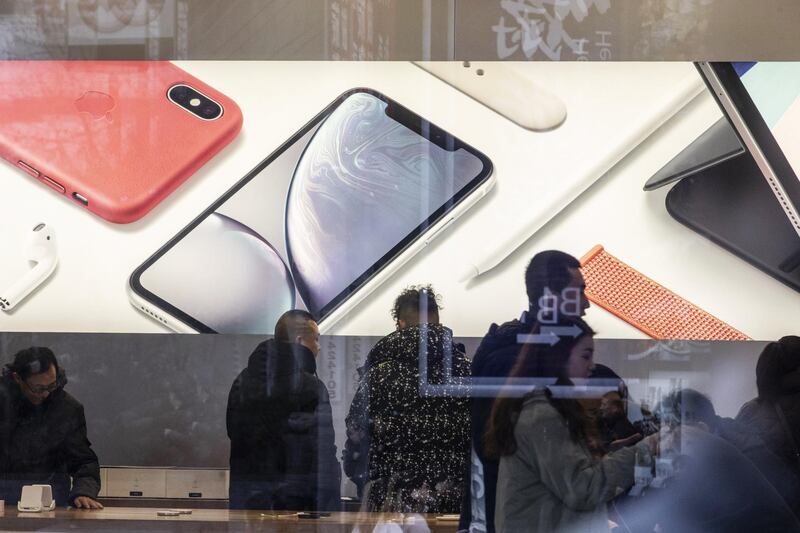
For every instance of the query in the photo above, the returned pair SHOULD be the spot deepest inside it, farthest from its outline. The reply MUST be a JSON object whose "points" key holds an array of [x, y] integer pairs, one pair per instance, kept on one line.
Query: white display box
{"points": [[136, 482], [205, 484]]}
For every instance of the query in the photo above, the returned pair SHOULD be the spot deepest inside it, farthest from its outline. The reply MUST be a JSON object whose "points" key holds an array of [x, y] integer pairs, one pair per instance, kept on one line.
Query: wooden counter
{"points": [[146, 519]]}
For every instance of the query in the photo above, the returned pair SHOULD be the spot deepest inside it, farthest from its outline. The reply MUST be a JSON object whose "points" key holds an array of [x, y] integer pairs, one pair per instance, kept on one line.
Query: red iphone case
{"points": [[107, 131]]}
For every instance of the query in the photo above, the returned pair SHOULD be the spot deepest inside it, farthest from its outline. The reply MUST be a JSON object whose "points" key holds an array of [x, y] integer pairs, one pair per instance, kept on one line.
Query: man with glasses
{"points": [[43, 433]]}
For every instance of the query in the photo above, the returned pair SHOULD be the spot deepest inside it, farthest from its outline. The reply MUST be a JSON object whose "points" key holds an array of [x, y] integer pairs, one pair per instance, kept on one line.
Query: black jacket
{"points": [[774, 469], [494, 359], [761, 417], [715, 488], [418, 439], [45, 444], [283, 454]]}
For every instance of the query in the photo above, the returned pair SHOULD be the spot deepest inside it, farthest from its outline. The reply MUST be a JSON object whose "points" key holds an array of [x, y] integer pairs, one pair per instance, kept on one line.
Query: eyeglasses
{"points": [[40, 390]]}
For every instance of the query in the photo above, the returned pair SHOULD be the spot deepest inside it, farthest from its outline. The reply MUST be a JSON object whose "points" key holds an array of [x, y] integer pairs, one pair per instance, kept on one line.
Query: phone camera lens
{"points": [[209, 111], [179, 94], [196, 103]]}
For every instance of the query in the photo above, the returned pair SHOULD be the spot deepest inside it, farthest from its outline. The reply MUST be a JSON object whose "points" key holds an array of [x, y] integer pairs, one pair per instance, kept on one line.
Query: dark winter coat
{"points": [[418, 438], [761, 417], [283, 454], [494, 358], [714, 488], [45, 444], [746, 439]]}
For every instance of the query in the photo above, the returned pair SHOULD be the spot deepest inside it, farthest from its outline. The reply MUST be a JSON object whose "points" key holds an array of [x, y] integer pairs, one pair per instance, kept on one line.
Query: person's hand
{"points": [[653, 443], [627, 441], [681, 439], [85, 502], [669, 439]]}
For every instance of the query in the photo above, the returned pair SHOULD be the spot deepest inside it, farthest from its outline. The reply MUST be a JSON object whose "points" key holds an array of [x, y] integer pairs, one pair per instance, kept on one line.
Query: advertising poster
{"points": [[176, 175], [465, 220]]}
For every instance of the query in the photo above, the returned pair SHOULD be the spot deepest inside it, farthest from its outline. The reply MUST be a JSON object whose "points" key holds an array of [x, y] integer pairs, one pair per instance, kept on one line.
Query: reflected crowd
{"points": [[527, 433]]}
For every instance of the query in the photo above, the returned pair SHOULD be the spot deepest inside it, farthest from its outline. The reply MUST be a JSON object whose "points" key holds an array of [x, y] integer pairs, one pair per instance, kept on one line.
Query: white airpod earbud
{"points": [[41, 250]]}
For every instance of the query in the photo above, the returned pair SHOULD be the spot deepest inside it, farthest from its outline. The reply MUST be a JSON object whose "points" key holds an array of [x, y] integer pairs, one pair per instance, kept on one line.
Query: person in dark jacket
{"points": [[411, 410], [555, 287], [698, 409], [723, 479], [775, 414], [279, 420], [611, 412], [43, 433]]}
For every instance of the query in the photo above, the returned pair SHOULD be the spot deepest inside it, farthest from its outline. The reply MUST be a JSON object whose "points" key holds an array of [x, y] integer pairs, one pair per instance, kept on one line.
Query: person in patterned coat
{"points": [[409, 434]]}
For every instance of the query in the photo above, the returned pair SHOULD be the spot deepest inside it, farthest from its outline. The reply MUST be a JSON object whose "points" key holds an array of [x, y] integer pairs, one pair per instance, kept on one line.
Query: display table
{"points": [[129, 518]]}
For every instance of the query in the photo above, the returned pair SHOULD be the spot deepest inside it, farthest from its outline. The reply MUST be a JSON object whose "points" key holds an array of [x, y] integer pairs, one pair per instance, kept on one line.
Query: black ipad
{"points": [[732, 205], [762, 102]]}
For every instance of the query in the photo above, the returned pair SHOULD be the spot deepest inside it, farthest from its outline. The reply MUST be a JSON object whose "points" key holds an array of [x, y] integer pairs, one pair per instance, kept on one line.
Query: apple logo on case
{"points": [[97, 104]]}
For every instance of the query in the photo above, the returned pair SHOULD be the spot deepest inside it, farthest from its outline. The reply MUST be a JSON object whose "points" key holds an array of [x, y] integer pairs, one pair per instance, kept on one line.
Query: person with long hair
{"points": [[554, 287], [552, 474]]}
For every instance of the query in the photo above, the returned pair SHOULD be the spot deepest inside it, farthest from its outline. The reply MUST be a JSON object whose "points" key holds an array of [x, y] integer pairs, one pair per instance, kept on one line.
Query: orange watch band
{"points": [[646, 305]]}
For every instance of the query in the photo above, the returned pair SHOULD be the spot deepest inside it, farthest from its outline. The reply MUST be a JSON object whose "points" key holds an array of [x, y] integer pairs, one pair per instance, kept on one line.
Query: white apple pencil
{"points": [[496, 254], [497, 251]]}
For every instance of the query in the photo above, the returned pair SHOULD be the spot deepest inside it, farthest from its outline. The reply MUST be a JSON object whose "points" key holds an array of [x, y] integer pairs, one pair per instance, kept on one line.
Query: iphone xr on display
{"points": [[114, 137], [318, 224]]}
